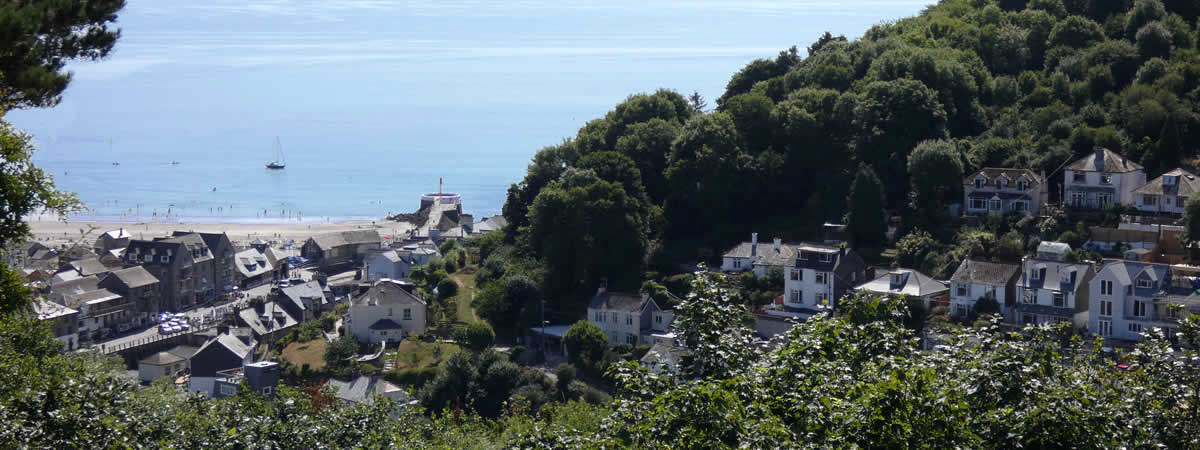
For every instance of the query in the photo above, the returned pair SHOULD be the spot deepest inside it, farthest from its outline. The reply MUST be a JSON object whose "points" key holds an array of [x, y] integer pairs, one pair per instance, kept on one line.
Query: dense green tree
{"points": [[480, 336], [866, 220], [1191, 219], [936, 171], [585, 342], [39, 39]]}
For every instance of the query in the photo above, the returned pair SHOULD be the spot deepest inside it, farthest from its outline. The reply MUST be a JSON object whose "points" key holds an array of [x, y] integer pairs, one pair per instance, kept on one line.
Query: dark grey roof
{"points": [[911, 282], [46, 310], [619, 301], [277, 318], [89, 266], [162, 359], [193, 241], [135, 276], [250, 263], [183, 351], [994, 173], [226, 342], [1104, 160], [1186, 184], [385, 324], [743, 250], [296, 294], [362, 389], [351, 237], [1053, 278], [388, 291], [663, 356], [983, 272]]}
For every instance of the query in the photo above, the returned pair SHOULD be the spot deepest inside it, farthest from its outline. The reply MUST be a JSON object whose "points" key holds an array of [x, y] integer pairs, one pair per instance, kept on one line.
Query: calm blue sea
{"points": [[374, 101]]}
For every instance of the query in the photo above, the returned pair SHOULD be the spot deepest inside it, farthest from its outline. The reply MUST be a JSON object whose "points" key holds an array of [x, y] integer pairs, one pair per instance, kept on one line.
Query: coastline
{"points": [[52, 231]]}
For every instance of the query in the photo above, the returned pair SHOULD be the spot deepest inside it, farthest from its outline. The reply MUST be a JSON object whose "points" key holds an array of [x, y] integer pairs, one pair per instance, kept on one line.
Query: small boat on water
{"points": [[174, 163], [278, 163]]}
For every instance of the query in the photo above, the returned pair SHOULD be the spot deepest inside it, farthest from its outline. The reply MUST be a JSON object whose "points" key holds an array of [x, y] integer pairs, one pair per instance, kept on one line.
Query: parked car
{"points": [[284, 283]]}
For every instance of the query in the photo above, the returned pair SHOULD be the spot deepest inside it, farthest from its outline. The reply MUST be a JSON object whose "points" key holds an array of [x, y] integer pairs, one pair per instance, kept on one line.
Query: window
{"points": [[228, 390], [1106, 287], [1002, 183], [978, 203], [629, 319], [630, 339], [1139, 309], [266, 390], [1029, 297], [1106, 328], [1080, 177], [1019, 207], [1060, 300], [1028, 319], [821, 277], [960, 310], [797, 275], [407, 314], [1144, 283], [1103, 199], [962, 290], [165, 259], [1149, 200], [1172, 313], [797, 296], [1022, 185], [996, 204], [1077, 199], [1105, 178], [822, 298], [826, 257], [979, 182], [616, 318], [1105, 308], [389, 312], [1037, 274], [658, 318], [737, 263], [1135, 328]]}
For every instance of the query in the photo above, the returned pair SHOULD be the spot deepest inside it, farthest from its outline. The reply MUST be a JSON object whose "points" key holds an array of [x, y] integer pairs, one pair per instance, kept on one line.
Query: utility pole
{"points": [[542, 310]]}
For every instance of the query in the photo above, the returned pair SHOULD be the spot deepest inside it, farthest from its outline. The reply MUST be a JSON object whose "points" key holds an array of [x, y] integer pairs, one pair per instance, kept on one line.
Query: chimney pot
{"points": [[778, 245]]}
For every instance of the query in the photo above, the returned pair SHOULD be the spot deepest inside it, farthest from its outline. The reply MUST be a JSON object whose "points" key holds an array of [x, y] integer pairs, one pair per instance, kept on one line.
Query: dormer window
{"points": [[1105, 178], [1022, 184], [826, 257], [1143, 283], [1002, 182], [1170, 180], [979, 182], [1080, 177]]}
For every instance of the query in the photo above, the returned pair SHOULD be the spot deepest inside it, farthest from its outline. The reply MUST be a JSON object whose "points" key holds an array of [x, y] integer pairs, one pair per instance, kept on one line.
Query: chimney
{"points": [[603, 286], [753, 244], [1099, 157], [778, 245]]}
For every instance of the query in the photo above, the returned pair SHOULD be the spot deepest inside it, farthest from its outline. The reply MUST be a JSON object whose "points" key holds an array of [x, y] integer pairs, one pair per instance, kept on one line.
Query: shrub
{"points": [[447, 288], [479, 336], [986, 306], [516, 352], [566, 374], [585, 342], [415, 377], [596, 397]]}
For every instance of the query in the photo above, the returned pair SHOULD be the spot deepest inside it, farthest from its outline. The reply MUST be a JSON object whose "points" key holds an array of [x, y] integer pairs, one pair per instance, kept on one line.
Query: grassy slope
{"points": [[311, 352], [466, 295]]}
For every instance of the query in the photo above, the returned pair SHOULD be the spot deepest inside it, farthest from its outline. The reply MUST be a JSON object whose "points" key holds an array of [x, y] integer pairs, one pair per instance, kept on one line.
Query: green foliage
{"points": [[986, 306], [340, 353], [447, 288], [866, 220], [1191, 219], [585, 342], [479, 336]]}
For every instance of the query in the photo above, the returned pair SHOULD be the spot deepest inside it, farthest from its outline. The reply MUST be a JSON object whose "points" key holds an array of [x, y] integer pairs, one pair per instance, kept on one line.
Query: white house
{"points": [[910, 283], [975, 280], [1003, 191], [759, 257], [1167, 193], [816, 277], [1052, 289], [387, 311], [627, 318], [1129, 298], [1101, 179], [391, 264]]}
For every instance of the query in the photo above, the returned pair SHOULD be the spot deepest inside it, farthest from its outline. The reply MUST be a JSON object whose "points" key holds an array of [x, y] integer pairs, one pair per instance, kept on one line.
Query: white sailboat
{"points": [[278, 163]]}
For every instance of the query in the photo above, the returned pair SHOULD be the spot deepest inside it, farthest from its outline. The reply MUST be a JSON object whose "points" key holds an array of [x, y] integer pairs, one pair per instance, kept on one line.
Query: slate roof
{"points": [[296, 294], [64, 276], [119, 233], [277, 318], [663, 356], [46, 310], [912, 283], [993, 173], [136, 276], [1109, 161], [743, 250], [250, 263], [89, 266], [1125, 272], [1053, 278], [350, 237], [360, 390], [193, 241], [983, 272], [93, 297], [1187, 184], [227, 342], [619, 301], [776, 258], [77, 286], [385, 324], [183, 351], [388, 291], [161, 359]]}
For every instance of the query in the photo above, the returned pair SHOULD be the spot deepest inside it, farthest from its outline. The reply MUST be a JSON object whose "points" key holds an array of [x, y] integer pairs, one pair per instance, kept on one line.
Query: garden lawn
{"points": [[466, 296], [418, 355], [311, 352]]}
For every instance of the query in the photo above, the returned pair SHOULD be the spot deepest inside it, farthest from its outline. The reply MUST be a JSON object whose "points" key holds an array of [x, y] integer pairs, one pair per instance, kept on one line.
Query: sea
{"points": [[376, 102]]}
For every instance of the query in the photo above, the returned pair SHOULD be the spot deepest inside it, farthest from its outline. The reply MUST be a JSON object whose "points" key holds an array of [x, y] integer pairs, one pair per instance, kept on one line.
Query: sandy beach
{"points": [[52, 231]]}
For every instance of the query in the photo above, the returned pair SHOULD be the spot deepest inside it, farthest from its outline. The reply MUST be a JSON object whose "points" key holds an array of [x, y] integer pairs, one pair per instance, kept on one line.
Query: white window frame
{"points": [[1139, 308], [1079, 177], [1106, 287], [1060, 300], [1149, 200], [1106, 308], [821, 278], [1105, 328], [995, 204], [797, 296], [407, 314], [978, 203], [1144, 283], [822, 298], [962, 290], [797, 275]]}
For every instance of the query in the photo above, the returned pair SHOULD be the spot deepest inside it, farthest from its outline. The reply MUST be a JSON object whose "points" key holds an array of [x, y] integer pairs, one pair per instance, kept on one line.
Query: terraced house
{"points": [[1052, 289], [1100, 179], [1129, 298]]}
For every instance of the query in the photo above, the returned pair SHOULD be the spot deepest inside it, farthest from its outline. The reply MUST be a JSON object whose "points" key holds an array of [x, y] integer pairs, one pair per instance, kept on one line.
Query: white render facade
{"points": [[1101, 179], [387, 312], [627, 318], [1130, 298], [1002, 192], [1167, 193]]}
